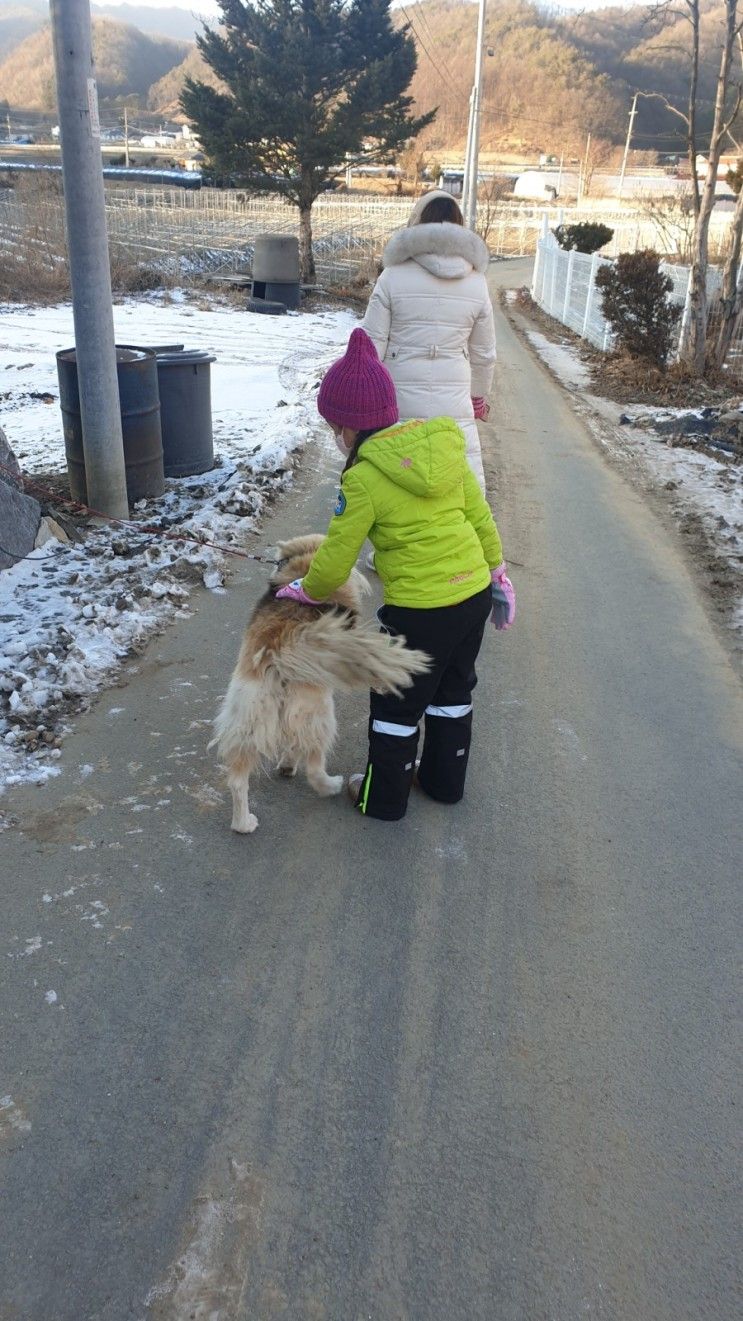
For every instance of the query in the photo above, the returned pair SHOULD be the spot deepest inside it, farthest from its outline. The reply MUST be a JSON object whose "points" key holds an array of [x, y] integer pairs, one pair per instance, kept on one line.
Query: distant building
{"points": [[726, 163], [545, 185]]}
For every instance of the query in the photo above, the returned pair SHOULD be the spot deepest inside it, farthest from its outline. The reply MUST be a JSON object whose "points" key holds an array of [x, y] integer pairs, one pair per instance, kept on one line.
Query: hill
{"points": [[553, 76], [650, 55], [181, 24], [540, 90], [127, 64], [18, 22], [164, 95]]}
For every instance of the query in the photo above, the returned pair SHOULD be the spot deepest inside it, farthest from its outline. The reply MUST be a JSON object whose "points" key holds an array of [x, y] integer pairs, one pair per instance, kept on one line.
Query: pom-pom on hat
{"points": [[358, 391]]}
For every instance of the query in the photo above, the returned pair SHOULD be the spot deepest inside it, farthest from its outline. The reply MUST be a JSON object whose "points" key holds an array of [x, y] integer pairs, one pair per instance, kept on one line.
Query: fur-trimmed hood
{"points": [[446, 250]]}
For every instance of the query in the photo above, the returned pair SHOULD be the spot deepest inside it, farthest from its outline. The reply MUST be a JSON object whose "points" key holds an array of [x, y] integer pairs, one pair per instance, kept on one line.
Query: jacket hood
{"points": [[420, 205], [425, 458], [447, 250]]}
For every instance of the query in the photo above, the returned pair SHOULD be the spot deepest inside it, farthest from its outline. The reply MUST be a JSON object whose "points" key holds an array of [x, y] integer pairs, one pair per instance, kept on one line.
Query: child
{"points": [[409, 489]]}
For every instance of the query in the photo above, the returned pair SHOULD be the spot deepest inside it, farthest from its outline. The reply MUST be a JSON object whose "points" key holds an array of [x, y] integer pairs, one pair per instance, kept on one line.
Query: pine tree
{"points": [[306, 83]]}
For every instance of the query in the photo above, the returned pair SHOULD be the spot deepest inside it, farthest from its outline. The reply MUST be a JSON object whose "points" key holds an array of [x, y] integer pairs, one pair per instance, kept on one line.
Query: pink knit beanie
{"points": [[358, 391]]}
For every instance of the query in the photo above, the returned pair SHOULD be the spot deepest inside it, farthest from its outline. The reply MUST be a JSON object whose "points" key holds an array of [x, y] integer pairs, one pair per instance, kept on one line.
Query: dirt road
{"points": [[476, 1066]]}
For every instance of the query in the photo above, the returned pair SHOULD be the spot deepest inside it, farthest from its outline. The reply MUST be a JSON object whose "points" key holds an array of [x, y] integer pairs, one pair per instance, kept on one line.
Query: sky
{"points": [[209, 8]]}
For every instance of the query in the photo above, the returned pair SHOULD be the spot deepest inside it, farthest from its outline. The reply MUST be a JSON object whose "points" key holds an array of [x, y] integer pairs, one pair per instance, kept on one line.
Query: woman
{"points": [[431, 319]]}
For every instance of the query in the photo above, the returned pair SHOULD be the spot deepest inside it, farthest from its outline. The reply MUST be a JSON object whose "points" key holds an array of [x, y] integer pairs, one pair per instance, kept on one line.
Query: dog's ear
{"points": [[306, 544]]}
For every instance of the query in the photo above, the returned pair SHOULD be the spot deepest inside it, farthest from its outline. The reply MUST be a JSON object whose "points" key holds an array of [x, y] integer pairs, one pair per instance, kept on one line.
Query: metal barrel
{"points": [[139, 399], [184, 381]]}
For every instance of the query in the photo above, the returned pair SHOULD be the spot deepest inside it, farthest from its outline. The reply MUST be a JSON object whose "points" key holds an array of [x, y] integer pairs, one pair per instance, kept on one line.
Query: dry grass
{"points": [[633, 381], [34, 269], [629, 380]]}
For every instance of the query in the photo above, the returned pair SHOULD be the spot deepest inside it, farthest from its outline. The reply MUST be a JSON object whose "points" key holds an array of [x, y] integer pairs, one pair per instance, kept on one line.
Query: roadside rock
{"points": [[10, 470], [49, 529], [19, 522], [730, 425], [702, 423]]}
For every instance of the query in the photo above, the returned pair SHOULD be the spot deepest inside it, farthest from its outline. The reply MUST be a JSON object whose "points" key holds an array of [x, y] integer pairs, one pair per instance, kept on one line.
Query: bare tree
{"points": [[664, 12], [731, 293], [674, 222], [693, 343], [491, 196], [598, 154], [693, 339]]}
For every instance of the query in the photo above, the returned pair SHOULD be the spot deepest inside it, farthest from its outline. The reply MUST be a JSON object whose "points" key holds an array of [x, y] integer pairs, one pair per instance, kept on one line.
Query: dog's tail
{"points": [[339, 651]]}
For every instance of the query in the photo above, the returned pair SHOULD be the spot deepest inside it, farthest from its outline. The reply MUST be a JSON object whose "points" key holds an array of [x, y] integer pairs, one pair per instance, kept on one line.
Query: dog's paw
{"points": [[331, 786], [244, 825], [287, 769]]}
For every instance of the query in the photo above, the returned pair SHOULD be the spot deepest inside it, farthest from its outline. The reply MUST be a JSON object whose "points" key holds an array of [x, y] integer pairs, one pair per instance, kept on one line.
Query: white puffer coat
{"points": [[431, 320]]}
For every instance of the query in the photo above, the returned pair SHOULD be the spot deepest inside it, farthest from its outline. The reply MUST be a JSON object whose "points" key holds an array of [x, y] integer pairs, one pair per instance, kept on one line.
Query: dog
{"points": [[278, 709]]}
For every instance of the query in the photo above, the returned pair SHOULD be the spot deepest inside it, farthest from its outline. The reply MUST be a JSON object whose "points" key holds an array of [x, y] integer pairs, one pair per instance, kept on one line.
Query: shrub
{"points": [[586, 236], [635, 302]]}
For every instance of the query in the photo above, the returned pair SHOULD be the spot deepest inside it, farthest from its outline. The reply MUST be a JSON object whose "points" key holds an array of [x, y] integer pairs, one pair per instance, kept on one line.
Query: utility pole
{"points": [[582, 189], [473, 154], [468, 153], [126, 137], [623, 171], [87, 247]]}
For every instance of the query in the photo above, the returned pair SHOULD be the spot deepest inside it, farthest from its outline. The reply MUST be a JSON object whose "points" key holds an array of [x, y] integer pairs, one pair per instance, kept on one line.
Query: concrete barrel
{"points": [[276, 258], [276, 269]]}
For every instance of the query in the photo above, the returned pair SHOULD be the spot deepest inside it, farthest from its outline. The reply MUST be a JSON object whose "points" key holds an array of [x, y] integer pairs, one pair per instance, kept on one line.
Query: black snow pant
{"points": [[451, 635]]}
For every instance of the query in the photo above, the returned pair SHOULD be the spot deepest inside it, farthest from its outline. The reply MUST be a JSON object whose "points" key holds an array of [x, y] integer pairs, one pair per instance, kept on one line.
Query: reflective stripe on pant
{"points": [[446, 751], [389, 773], [451, 635]]}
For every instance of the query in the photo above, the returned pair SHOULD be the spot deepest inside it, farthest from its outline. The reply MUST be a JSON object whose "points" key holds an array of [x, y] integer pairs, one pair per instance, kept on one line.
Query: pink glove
{"points": [[481, 407], [295, 592], [504, 599]]}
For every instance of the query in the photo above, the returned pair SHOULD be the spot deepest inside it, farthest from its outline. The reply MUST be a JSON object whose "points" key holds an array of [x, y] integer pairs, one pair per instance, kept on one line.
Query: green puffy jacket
{"points": [[413, 494]]}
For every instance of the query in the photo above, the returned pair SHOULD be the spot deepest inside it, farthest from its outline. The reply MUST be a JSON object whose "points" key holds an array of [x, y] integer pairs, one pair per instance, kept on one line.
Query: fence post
{"points": [[553, 255], [539, 260], [568, 287], [683, 327], [589, 295]]}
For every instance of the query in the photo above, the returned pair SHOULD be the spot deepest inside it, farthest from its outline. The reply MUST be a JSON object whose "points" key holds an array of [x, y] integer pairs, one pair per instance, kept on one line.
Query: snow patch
{"points": [[12, 1118], [564, 362], [71, 615]]}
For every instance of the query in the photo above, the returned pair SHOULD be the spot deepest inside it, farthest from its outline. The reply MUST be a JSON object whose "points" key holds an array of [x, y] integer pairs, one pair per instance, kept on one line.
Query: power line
{"points": [[444, 77], [421, 13]]}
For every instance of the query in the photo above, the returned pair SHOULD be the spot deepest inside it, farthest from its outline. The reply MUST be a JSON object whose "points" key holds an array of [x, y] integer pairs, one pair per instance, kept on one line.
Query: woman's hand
{"points": [[295, 592], [504, 599]]}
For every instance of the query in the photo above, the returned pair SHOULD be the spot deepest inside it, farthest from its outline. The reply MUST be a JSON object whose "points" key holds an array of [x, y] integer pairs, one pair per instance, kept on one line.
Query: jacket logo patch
{"points": [[340, 503]]}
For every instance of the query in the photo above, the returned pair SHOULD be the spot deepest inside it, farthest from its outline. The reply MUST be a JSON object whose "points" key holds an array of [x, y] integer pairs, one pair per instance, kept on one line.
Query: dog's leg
{"points": [[287, 768], [317, 776], [238, 777]]}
